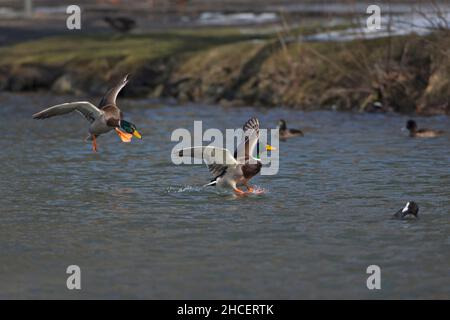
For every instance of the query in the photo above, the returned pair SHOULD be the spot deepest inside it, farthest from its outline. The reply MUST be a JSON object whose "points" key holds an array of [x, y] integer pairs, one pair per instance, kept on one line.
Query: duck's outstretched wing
{"points": [[87, 109], [210, 154], [251, 135], [111, 96], [216, 159]]}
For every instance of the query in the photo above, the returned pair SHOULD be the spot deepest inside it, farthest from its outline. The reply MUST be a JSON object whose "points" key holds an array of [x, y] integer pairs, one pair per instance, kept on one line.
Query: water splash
{"points": [[183, 189], [257, 190]]}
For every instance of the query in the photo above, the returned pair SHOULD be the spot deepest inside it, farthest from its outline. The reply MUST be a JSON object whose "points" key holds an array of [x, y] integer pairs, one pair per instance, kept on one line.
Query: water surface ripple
{"points": [[141, 227]]}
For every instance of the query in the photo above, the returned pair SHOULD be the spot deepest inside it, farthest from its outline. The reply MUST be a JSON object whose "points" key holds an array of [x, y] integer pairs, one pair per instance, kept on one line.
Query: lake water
{"points": [[140, 227]]}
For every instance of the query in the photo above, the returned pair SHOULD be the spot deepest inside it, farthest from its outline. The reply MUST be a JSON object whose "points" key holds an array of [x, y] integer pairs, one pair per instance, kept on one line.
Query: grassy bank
{"points": [[403, 74]]}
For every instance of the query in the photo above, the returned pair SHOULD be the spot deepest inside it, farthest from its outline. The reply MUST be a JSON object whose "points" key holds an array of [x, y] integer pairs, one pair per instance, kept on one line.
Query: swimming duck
{"points": [[287, 133], [231, 170], [104, 118], [411, 210], [411, 125]]}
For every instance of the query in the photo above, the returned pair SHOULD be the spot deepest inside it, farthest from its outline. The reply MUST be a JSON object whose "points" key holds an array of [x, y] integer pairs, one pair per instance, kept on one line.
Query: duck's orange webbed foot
{"points": [[94, 143], [125, 137], [250, 189], [239, 192]]}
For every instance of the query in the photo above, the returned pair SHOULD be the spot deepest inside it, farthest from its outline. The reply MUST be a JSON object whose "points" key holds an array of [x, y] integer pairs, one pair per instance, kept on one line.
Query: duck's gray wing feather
{"points": [[85, 108], [251, 135], [111, 96], [218, 160]]}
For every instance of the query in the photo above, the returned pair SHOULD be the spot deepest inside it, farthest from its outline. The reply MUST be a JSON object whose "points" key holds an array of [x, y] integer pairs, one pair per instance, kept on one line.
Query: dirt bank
{"points": [[403, 74]]}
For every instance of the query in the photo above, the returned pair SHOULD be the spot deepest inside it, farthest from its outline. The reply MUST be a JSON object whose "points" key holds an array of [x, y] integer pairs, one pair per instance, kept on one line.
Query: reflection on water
{"points": [[140, 227]]}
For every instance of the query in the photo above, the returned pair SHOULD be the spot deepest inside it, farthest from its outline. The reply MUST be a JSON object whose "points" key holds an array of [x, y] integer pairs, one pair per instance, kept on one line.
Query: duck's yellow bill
{"points": [[270, 148], [137, 134]]}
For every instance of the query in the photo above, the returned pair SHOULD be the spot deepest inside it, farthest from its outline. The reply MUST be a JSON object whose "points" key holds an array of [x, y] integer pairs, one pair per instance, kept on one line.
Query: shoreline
{"points": [[139, 103], [404, 74]]}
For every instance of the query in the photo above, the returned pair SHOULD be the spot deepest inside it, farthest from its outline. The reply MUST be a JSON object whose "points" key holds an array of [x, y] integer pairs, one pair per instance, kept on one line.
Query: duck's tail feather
{"points": [[211, 184]]}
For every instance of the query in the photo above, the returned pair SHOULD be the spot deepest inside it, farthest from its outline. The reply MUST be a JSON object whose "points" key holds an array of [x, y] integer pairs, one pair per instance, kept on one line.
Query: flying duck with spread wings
{"points": [[104, 118]]}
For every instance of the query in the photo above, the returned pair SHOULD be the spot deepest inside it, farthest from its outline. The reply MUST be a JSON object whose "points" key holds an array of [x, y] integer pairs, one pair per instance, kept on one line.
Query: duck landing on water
{"points": [[104, 118], [414, 132], [286, 133], [231, 170]]}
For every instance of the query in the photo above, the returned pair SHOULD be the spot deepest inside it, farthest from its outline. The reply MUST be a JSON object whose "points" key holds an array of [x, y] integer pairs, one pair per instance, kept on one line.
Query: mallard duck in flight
{"points": [[231, 170], [104, 118]]}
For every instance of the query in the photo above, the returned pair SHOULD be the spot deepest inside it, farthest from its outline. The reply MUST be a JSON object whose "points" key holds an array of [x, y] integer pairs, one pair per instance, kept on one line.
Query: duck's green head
{"points": [[268, 148], [130, 128]]}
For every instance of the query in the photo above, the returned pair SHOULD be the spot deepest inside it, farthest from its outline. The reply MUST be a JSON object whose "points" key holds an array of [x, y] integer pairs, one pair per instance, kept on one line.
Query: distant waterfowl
{"points": [[375, 107], [414, 132], [411, 210], [286, 133], [121, 24], [232, 170], [104, 118]]}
